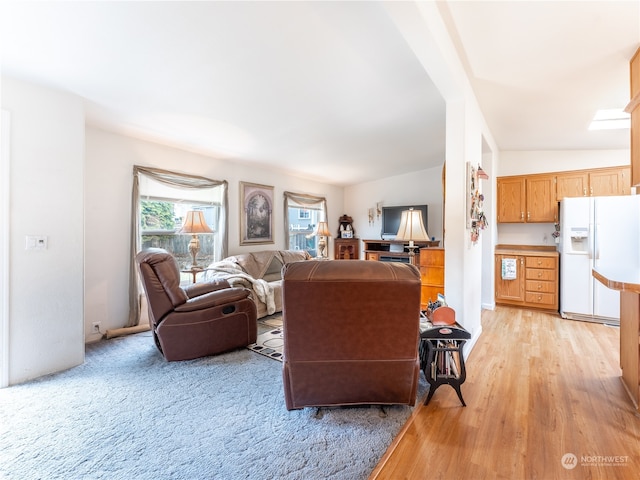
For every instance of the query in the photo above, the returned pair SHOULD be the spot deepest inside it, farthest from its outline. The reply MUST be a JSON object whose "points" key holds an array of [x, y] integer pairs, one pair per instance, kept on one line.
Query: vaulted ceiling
{"points": [[326, 90]]}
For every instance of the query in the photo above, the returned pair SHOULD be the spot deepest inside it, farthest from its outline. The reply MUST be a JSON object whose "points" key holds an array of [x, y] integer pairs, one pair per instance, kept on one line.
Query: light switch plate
{"points": [[36, 242]]}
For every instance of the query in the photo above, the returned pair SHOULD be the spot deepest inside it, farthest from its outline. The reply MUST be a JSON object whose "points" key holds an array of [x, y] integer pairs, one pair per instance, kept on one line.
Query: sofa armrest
{"points": [[212, 299], [197, 289]]}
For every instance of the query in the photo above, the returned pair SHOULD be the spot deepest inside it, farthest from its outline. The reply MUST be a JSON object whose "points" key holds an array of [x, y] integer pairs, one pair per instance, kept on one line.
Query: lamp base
{"points": [[194, 248], [322, 248]]}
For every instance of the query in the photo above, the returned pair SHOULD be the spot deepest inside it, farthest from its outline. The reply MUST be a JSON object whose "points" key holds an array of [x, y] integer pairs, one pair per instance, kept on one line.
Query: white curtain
{"points": [[191, 183]]}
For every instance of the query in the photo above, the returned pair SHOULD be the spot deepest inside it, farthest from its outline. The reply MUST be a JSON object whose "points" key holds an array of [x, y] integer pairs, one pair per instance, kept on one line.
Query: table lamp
{"points": [[412, 229], [322, 232], [194, 223]]}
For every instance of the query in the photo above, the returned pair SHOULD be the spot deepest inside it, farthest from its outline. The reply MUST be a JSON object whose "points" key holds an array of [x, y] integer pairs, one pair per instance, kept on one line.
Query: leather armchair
{"points": [[351, 332], [199, 320]]}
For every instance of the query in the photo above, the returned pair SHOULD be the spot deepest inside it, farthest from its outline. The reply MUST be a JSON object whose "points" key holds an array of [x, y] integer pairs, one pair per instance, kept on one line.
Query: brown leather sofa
{"points": [[199, 320], [351, 332]]}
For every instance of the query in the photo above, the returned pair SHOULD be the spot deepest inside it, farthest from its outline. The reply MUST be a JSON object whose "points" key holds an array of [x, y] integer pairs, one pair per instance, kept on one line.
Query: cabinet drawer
{"points": [[432, 275], [431, 257], [540, 298], [541, 262], [372, 256], [535, 286], [430, 293], [539, 274]]}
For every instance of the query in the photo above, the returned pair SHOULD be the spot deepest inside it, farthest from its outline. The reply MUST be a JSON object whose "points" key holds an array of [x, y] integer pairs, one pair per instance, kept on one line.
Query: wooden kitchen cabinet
{"points": [[511, 199], [507, 290], [536, 281], [527, 199], [542, 206], [534, 198], [610, 181], [634, 109], [572, 184]]}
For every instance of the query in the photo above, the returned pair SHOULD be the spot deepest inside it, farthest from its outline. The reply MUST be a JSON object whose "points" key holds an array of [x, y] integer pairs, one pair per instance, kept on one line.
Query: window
{"points": [[160, 220], [160, 200], [303, 214]]}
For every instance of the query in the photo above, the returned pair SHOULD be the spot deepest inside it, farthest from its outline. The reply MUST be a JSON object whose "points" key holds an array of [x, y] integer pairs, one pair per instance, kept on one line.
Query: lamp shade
{"points": [[194, 222], [412, 226], [323, 229]]}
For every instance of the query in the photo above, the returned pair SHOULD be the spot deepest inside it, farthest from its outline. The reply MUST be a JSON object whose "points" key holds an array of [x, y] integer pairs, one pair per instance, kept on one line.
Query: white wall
{"points": [[544, 161], [418, 188], [46, 198], [109, 172]]}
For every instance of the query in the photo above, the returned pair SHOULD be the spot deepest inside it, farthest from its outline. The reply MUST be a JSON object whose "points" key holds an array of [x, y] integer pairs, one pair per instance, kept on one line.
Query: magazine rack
{"points": [[441, 356]]}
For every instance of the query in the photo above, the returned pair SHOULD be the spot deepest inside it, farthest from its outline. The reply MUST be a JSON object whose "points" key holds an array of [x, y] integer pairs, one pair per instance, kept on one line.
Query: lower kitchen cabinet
{"points": [[527, 276]]}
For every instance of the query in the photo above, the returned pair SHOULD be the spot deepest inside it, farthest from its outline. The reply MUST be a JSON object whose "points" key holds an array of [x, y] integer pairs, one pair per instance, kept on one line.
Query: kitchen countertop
{"points": [[539, 250], [620, 278]]}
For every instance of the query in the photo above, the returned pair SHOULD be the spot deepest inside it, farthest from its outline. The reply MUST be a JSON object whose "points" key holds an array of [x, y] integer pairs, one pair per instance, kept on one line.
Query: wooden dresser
{"points": [[429, 259], [431, 275], [527, 276]]}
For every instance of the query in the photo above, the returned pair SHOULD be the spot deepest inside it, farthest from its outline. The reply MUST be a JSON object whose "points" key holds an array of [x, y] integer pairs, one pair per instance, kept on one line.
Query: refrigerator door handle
{"points": [[591, 242]]}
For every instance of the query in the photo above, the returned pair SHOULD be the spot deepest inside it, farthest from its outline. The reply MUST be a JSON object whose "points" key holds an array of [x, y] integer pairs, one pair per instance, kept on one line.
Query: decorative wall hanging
{"points": [[256, 217], [476, 220]]}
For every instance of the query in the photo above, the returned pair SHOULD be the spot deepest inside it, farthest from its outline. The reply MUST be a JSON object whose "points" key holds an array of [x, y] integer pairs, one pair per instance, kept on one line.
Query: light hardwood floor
{"points": [[538, 387]]}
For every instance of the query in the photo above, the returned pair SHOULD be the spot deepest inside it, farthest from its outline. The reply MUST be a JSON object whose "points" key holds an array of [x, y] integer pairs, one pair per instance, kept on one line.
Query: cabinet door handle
{"points": [[528, 215], [591, 191], [539, 274], [521, 215], [584, 192], [539, 287]]}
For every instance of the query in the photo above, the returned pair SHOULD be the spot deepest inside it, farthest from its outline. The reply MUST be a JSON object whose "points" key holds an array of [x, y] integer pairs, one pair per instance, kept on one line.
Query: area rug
{"points": [[127, 413], [270, 344]]}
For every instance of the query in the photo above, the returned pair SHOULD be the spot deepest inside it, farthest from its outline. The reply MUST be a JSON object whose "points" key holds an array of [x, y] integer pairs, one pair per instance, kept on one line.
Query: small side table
{"points": [[194, 271], [441, 357]]}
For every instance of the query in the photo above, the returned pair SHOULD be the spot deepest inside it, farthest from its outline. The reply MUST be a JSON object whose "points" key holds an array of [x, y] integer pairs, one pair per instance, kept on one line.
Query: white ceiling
{"points": [[326, 90]]}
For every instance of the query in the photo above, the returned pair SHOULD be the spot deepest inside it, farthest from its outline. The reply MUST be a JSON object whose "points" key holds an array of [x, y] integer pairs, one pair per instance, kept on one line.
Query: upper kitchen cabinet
{"points": [[593, 183], [527, 199], [511, 199], [542, 206], [634, 109], [610, 181], [572, 184]]}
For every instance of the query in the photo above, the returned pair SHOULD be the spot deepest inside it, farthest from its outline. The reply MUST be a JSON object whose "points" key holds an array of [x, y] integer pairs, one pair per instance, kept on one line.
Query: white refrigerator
{"points": [[595, 231]]}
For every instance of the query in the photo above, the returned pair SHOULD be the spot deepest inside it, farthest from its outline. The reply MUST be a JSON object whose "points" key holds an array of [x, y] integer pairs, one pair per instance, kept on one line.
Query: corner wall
{"points": [[46, 199]]}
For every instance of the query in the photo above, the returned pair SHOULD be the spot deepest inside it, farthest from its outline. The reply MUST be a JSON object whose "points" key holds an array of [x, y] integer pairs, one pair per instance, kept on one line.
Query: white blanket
{"points": [[232, 272]]}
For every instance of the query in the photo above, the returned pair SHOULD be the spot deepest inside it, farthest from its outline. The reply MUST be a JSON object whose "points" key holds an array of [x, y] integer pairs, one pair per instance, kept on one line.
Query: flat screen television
{"points": [[391, 219]]}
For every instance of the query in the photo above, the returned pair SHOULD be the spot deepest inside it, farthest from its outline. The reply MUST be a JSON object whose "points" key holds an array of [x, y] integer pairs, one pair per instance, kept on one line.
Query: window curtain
{"points": [[177, 180], [301, 200]]}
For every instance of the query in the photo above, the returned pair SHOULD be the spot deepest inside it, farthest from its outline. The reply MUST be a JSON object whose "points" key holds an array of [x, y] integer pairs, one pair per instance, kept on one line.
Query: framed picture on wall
{"points": [[256, 215]]}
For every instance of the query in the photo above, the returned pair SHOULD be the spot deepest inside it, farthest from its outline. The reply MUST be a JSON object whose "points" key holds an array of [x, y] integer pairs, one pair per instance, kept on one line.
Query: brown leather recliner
{"points": [[199, 320], [351, 332]]}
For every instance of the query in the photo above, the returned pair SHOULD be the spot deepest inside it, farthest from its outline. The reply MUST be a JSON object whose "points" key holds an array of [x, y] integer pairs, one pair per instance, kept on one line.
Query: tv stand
{"points": [[393, 250], [429, 259]]}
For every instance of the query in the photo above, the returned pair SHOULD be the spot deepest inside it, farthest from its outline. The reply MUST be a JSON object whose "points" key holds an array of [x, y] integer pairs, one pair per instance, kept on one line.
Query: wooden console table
{"points": [[627, 281]]}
